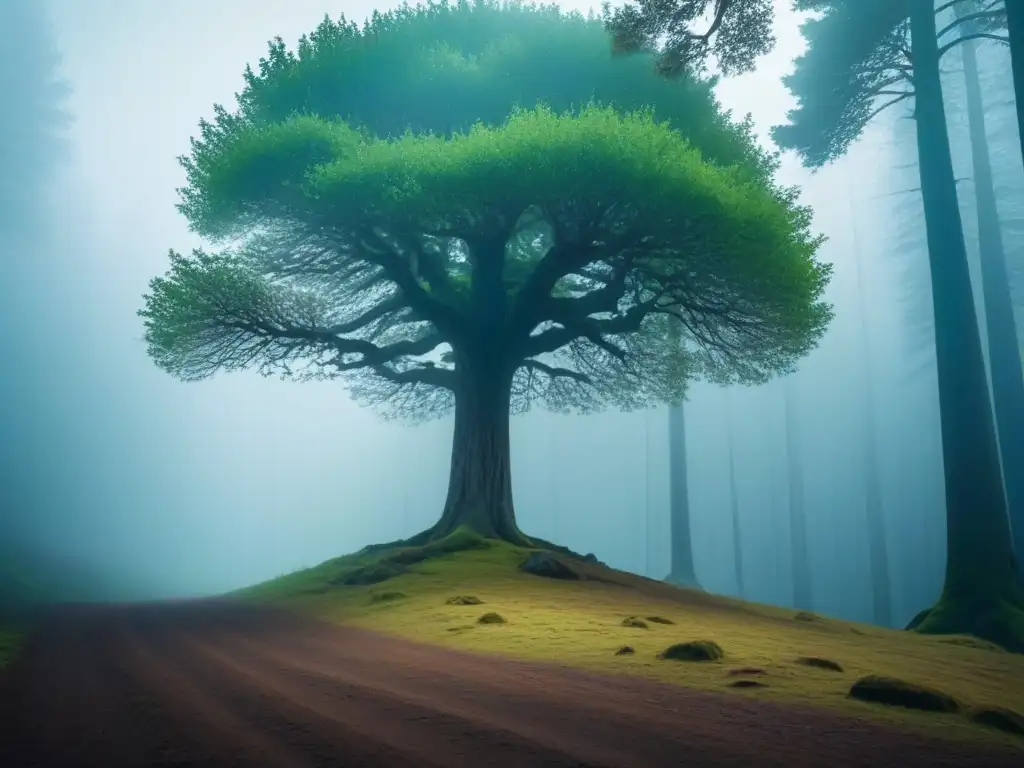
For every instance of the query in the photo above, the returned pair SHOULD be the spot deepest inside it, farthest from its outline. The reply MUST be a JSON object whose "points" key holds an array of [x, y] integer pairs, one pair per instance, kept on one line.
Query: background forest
{"points": [[124, 483]]}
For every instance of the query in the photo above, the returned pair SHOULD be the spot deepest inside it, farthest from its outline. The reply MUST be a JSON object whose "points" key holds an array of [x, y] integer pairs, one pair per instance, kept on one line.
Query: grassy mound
{"points": [[694, 650], [578, 622]]}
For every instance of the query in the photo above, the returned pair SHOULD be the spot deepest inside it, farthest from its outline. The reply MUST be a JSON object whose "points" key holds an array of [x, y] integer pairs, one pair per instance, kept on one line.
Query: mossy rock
{"points": [[1002, 719], [659, 620], [546, 565], [747, 684], [491, 618], [694, 650], [820, 663], [899, 693], [634, 622], [463, 600], [386, 597], [625, 650]]}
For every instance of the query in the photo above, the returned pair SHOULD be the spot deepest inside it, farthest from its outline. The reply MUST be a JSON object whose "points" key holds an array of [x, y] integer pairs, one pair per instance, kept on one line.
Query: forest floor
{"points": [[441, 594]]}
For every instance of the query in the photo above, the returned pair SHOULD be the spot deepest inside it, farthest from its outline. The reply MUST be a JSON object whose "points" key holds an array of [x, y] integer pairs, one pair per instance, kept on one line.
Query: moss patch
{"points": [[899, 693], [625, 650], [694, 650], [386, 597], [492, 618], [747, 684], [577, 622], [634, 622], [659, 620]]}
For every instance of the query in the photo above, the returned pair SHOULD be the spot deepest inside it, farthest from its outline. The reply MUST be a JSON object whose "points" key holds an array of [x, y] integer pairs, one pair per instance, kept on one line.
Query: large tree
{"points": [[803, 584], [862, 56], [1003, 345], [544, 259]]}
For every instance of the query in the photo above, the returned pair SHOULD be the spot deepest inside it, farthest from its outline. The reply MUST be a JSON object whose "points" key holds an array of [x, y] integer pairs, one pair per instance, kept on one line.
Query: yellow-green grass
{"points": [[578, 624], [11, 642]]}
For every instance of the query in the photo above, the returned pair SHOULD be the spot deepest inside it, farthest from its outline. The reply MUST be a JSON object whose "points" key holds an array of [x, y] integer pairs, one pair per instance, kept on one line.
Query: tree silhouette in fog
{"points": [[862, 57]]}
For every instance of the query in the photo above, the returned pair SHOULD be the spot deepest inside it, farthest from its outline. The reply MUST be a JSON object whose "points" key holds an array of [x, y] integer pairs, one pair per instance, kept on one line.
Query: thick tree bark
{"points": [[734, 510], [980, 595], [1003, 344], [1015, 28], [682, 571], [480, 479], [802, 587], [878, 550]]}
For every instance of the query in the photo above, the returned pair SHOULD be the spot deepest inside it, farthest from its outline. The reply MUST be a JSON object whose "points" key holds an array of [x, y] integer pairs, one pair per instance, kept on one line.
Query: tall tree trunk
{"points": [[1003, 344], [682, 571], [734, 509], [980, 595], [878, 551], [480, 480], [1015, 28], [802, 587]]}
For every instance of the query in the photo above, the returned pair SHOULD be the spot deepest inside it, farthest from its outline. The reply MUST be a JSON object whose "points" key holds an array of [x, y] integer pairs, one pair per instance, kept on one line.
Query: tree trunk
{"points": [[1015, 28], [802, 588], [734, 509], [682, 571], [980, 595], [480, 480], [878, 550], [1003, 344]]}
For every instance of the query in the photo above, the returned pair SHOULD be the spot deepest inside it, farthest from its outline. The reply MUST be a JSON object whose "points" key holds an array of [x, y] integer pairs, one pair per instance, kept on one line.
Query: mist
{"points": [[130, 484]]}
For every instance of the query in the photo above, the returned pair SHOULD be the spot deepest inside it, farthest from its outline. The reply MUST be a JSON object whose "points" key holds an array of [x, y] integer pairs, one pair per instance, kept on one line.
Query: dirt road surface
{"points": [[214, 683]]}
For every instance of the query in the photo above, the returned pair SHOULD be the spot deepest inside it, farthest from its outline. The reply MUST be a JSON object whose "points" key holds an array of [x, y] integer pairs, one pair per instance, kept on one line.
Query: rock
{"points": [[633, 621], [625, 651], [900, 693], [491, 618], [463, 600], [660, 620], [1000, 718], [695, 650], [737, 671], [548, 566], [820, 663], [747, 684]]}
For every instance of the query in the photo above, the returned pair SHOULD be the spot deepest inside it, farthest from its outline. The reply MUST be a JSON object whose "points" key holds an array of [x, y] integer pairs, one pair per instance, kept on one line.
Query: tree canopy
{"points": [[362, 255], [688, 34], [858, 63]]}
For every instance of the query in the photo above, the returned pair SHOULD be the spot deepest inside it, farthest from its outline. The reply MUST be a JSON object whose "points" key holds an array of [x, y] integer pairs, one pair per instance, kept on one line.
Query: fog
{"points": [[136, 485]]}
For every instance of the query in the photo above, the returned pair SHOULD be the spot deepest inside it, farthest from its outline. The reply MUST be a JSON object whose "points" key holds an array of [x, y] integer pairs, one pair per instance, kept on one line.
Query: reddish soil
{"points": [[212, 683]]}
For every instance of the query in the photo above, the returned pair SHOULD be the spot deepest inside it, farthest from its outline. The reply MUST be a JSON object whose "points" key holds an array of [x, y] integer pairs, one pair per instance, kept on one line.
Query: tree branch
{"points": [[976, 36], [555, 372], [968, 18]]}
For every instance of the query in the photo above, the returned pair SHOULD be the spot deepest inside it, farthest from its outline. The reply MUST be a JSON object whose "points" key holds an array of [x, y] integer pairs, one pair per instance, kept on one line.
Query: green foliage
{"points": [[857, 64], [392, 210], [738, 32]]}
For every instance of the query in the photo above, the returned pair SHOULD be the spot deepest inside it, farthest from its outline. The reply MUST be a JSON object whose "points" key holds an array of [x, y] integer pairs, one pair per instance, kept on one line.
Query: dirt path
{"points": [[212, 683]]}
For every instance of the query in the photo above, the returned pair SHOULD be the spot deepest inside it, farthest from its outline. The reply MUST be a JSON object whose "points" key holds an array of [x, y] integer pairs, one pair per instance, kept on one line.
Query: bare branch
{"points": [[555, 372], [976, 36]]}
